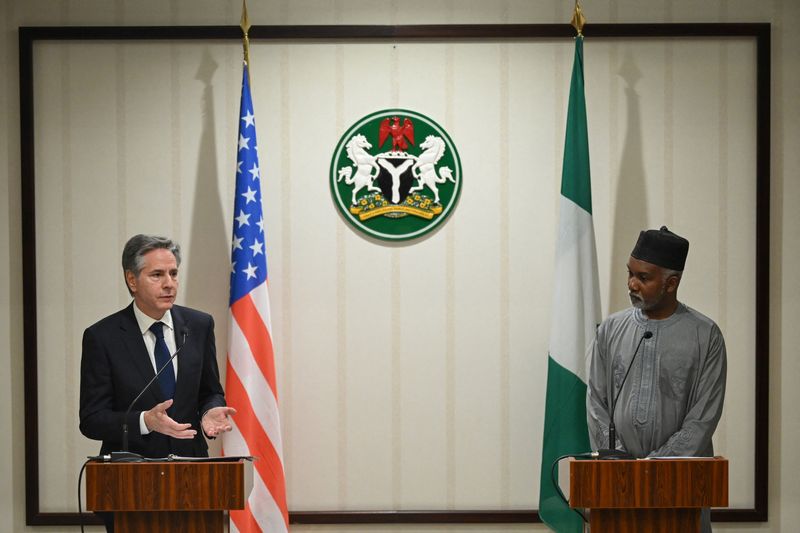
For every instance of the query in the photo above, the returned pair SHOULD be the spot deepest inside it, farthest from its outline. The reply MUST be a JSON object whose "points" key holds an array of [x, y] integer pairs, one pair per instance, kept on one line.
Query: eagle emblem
{"points": [[398, 133]]}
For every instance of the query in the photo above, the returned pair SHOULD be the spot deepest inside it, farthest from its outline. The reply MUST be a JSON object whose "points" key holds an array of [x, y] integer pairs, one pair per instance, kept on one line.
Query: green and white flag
{"points": [[576, 310]]}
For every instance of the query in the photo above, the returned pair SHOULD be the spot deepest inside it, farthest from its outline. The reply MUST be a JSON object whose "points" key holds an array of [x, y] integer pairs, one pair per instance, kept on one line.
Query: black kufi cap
{"points": [[661, 247]]}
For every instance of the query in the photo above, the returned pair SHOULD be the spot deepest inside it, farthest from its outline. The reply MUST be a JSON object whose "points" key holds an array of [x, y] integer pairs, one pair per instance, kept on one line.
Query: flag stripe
{"points": [[268, 464], [258, 338], [567, 411], [247, 520], [244, 520], [264, 509], [265, 406], [576, 174], [260, 298], [575, 316]]}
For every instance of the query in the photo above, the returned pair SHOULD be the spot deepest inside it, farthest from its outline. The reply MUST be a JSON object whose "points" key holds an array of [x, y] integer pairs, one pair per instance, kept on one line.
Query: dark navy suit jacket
{"points": [[115, 367]]}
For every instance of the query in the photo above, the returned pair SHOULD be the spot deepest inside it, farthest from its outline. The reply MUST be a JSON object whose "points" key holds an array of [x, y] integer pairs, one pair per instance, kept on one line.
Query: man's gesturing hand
{"points": [[215, 421], [157, 419]]}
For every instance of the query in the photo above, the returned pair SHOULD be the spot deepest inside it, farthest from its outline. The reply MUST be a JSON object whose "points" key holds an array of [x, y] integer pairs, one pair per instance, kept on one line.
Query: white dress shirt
{"points": [[149, 337]]}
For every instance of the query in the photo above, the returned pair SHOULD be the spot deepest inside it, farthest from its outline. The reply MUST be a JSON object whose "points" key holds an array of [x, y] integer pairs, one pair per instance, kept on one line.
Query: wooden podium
{"points": [[166, 496], [654, 495]]}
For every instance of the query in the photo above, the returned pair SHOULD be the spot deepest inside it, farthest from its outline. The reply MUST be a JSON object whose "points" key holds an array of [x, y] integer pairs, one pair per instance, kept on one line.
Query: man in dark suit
{"points": [[122, 352]]}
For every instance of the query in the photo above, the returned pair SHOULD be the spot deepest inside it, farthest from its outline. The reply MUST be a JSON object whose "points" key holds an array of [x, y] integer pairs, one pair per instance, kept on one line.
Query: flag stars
{"points": [[243, 219], [255, 171], [257, 247], [250, 270], [249, 119], [248, 243], [250, 195]]}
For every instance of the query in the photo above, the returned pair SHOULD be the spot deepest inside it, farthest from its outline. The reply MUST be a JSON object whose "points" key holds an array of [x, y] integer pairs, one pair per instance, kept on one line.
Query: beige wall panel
{"points": [[368, 444], [420, 322], [737, 261], [272, 120], [477, 274], [366, 82], [410, 375], [313, 276], [626, 129], [420, 394], [603, 91], [67, 230], [529, 195], [200, 120], [709, 212], [145, 109]]}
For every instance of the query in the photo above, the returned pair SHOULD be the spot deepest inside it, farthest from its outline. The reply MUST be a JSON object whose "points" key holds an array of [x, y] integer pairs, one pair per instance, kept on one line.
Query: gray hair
{"points": [[669, 273], [139, 245]]}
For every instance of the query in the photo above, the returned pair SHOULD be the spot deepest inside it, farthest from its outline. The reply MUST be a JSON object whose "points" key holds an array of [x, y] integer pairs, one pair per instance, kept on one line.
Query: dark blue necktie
{"points": [[167, 378]]}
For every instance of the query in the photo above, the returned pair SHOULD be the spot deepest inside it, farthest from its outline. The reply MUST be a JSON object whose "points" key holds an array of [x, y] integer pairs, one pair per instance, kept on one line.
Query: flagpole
{"points": [[578, 20], [245, 25]]}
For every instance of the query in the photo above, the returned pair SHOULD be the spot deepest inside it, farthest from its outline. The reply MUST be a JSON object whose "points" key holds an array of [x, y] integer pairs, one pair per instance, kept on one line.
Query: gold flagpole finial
{"points": [[245, 25], [578, 20]]}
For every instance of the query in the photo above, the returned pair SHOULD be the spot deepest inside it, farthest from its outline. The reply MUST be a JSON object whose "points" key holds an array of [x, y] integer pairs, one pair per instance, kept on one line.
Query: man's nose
{"points": [[633, 285]]}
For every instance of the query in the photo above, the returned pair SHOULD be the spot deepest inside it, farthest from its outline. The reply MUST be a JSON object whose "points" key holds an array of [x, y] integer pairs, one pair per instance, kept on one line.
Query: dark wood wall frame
{"points": [[760, 32]]}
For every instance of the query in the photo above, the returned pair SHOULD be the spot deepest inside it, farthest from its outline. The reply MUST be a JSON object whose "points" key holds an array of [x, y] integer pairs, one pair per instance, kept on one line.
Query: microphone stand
{"points": [[125, 455]]}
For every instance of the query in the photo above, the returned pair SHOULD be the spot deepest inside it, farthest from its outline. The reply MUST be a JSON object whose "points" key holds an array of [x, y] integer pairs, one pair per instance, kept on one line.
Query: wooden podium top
{"points": [[649, 483], [165, 486]]}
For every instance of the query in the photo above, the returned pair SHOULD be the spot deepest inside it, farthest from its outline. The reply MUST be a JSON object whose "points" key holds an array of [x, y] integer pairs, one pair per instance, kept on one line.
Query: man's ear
{"points": [[130, 279], [672, 283]]}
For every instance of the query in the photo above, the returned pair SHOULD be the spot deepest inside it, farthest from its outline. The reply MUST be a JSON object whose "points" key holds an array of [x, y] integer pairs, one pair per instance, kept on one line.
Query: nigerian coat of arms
{"points": [[395, 175]]}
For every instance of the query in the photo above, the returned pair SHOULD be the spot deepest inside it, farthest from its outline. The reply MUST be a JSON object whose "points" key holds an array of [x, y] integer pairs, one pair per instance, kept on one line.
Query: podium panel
{"points": [[169, 521], [654, 495], [166, 497], [639, 520]]}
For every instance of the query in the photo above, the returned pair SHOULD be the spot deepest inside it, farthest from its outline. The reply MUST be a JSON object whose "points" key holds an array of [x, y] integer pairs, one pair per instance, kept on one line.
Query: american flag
{"points": [[250, 382]]}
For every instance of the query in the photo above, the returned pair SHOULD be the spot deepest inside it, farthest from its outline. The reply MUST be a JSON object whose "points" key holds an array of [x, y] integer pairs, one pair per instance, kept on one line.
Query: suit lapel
{"points": [[186, 357], [180, 326], [134, 342]]}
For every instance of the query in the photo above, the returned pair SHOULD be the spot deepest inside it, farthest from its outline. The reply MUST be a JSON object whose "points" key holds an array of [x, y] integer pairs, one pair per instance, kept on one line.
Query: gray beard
{"points": [[636, 302], [640, 304]]}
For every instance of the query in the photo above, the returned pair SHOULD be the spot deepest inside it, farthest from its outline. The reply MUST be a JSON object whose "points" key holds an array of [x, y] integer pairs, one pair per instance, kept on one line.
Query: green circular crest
{"points": [[395, 175]]}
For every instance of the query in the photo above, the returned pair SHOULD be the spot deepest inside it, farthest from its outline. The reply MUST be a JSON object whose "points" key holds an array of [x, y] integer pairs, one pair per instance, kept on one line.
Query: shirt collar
{"points": [[642, 319], [145, 321]]}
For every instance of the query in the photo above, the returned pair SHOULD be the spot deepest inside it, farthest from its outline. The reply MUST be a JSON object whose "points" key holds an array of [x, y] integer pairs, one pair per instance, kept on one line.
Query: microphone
{"points": [[612, 452], [125, 455]]}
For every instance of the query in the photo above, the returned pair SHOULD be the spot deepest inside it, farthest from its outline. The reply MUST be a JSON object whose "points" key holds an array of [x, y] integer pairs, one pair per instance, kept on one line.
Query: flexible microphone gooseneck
{"points": [[612, 452], [125, 455]]}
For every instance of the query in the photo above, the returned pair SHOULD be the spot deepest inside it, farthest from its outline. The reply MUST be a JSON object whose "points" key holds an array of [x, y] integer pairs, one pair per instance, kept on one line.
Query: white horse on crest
{"points": [[363, 162], [424, 169]]}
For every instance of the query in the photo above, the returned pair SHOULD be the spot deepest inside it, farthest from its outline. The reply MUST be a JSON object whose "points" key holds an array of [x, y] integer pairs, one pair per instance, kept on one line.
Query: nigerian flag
{"points": [[576, 309]]}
